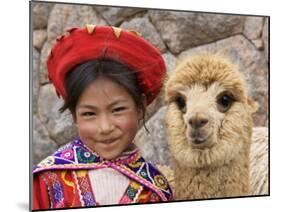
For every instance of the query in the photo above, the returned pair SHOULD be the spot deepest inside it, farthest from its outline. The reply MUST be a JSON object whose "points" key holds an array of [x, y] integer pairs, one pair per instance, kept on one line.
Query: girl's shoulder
{"points": [[141, 165], [69, 156], [148, 172]]}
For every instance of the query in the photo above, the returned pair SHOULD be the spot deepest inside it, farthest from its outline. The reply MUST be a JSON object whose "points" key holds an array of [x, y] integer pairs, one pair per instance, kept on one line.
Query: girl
{"points": [[106, 77]]}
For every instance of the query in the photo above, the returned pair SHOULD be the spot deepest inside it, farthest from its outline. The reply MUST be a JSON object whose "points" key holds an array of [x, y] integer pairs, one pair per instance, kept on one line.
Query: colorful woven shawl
{"points": [[77, 156]]}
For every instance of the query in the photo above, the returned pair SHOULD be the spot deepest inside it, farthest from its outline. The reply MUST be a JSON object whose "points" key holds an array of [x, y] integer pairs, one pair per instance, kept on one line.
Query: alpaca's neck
{"points": [[201, 183]]}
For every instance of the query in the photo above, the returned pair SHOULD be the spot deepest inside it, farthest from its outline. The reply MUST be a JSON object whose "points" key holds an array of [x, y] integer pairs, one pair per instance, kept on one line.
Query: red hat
{"points": [[106, 42]]}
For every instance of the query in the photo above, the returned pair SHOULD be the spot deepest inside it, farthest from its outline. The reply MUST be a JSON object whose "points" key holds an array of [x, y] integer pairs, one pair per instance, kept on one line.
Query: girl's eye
{"points": [[87, 114], [119, 109]]}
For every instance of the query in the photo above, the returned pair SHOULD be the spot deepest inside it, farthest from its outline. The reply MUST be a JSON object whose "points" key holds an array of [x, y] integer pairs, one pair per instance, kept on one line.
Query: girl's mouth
{"points": [[109, 141]]}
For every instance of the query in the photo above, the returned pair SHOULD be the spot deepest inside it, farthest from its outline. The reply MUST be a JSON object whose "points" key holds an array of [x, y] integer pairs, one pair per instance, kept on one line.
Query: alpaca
{"points": [[209, 127]]}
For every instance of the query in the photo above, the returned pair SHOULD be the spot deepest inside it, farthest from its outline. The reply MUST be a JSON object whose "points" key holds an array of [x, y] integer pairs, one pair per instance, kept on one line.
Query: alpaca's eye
{"points": [[181, 103], [224, 102]]}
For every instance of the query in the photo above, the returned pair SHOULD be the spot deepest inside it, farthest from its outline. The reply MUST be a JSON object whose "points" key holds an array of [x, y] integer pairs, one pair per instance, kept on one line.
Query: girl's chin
{"points": [[109, 154]]}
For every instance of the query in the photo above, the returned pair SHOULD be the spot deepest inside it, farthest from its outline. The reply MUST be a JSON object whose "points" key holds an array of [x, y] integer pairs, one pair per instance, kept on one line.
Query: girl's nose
{"points": [[105, 125]]}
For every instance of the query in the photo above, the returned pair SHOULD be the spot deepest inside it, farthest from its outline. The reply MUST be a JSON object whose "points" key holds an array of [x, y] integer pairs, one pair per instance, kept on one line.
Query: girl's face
{"points": [[107, 118]]}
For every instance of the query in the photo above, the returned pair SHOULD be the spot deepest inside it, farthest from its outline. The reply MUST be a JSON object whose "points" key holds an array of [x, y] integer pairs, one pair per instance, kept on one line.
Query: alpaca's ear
{"points": [[253, 105]]}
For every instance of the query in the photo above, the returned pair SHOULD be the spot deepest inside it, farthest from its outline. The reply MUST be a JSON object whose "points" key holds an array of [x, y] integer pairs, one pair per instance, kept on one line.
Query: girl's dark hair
{"points": [[78, 79]]}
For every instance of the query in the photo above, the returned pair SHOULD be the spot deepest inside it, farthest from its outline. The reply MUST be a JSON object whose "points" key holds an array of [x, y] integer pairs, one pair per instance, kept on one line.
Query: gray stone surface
{"points": [[59, 125], [154, 145], [181, 31], [46, 49], [170, 60], [157, 103], [253, 27], [258, 43], [35, 79], [147, 30], [40, 14], [115, 15], [265, 38], [42, 145], [39, 37]]}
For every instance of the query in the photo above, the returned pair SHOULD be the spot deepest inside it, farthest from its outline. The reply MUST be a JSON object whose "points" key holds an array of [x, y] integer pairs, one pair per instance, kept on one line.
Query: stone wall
{"points": [[176, 34]]}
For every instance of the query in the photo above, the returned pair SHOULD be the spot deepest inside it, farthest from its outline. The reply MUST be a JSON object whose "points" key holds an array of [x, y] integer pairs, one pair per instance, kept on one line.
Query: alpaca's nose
{"points": [[198, 120]]}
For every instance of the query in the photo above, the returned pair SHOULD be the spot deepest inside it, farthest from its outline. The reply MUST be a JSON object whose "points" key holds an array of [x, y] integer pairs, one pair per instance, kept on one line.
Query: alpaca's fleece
{"points": [[259, 162], [212, 161]]}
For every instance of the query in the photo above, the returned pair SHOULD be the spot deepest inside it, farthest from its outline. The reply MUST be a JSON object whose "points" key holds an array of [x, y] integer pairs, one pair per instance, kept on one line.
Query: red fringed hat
{"points": [[106, 42]]}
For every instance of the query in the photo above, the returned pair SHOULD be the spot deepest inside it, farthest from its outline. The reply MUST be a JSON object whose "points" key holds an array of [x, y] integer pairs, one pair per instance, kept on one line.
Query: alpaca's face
{"points": [[203, 110], [209, 115]]}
